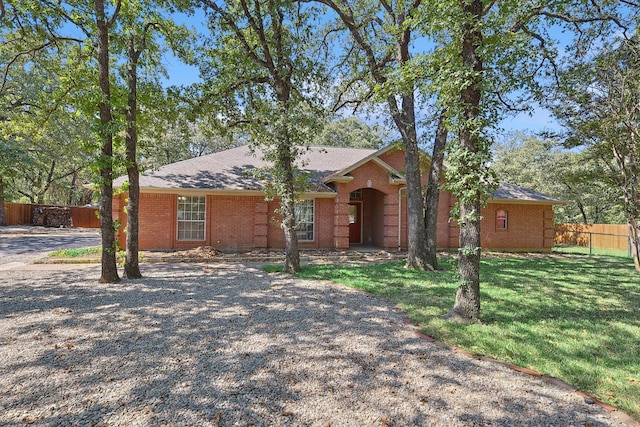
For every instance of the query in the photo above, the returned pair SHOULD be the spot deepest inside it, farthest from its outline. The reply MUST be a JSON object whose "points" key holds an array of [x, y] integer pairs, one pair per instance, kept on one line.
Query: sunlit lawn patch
{"points": [[76, 252]]}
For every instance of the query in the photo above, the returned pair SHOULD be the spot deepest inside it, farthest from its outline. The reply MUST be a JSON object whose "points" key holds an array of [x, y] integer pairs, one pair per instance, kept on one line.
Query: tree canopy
{"points": [[274, 70]]}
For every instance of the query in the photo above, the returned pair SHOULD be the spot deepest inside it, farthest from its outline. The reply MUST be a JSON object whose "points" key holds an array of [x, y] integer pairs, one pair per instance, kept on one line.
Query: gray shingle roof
{"points": [[513, 192], [227, 170]]}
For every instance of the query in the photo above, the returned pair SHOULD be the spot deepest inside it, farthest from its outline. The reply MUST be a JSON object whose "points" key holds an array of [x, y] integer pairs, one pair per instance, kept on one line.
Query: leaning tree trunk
{"points": [[405, 119], [432, 196], [131, 265], [109, 268], [467, 304]]}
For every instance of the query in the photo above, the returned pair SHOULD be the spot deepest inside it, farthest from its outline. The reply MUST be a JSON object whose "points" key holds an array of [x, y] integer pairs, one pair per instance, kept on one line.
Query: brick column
{"points": [[261, 224], [390, 238], [118, 213], [549, 232], [341, 219]]}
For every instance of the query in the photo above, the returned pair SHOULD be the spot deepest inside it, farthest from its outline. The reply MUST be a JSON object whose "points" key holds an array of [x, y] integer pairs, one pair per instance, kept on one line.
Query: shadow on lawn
{"points": [[181, 347], [570, 317]]}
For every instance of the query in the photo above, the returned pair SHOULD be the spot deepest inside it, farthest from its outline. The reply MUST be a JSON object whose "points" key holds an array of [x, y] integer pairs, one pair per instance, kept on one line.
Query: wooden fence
{"points": [[22, 214], [17, 213], [604, 236]]}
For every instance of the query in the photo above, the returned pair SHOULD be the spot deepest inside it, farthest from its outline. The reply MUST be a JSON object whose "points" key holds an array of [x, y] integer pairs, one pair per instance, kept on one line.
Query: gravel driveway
{"points": [[21, 245], [234, 346]]}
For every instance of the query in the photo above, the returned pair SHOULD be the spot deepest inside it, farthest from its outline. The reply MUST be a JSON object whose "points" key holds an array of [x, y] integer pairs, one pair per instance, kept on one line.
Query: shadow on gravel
{"points": [[238, 346]]}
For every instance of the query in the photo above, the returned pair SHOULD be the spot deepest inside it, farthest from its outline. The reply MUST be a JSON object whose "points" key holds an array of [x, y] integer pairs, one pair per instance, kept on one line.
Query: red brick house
{"points": [[358, 198]]}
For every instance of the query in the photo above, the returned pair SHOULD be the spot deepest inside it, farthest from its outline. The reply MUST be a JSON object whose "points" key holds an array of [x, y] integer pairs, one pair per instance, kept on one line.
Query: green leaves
{"points": [[469, 177]]}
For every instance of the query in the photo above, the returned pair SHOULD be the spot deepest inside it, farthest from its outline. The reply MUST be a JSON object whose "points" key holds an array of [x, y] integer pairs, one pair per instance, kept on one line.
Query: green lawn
{"points": [[584, 250], [573, 317], [76, 252]]}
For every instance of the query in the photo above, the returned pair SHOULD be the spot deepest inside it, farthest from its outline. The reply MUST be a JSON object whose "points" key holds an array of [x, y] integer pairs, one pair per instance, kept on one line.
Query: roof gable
{"points": [[374, 156]]}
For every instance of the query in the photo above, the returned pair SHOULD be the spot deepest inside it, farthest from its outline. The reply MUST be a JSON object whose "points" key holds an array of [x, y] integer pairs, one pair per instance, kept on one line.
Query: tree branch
{"points": [[234, 27], [116, 12]]}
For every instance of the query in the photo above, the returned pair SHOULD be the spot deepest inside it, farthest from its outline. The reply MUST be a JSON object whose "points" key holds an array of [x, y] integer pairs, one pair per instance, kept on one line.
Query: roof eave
{"points": [[338, 179], [227, 192], [528, 202]]}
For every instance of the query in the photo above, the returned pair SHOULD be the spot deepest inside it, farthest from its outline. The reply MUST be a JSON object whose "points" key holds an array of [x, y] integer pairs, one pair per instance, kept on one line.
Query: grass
{"points": [[584, 250], [76, 252], [573, 317], [79, 252]]}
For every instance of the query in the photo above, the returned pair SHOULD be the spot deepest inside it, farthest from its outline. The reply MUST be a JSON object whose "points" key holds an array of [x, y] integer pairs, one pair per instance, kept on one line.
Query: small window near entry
{"points": [[304, 220], [357, 194], [191, 217], [501, 219], [353, 214]]}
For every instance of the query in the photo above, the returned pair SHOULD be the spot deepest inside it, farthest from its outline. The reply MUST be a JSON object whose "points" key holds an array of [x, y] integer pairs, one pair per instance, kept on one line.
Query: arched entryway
{"points": [[366, 218]]}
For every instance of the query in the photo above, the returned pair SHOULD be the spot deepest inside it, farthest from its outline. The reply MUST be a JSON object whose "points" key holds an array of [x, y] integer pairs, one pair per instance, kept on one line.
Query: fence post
{"points": [[590, 243]]}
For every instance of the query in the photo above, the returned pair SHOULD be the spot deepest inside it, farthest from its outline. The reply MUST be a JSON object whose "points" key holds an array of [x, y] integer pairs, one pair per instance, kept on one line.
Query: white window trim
{"points": [[506, 219], [178, 220], [313, 220]]}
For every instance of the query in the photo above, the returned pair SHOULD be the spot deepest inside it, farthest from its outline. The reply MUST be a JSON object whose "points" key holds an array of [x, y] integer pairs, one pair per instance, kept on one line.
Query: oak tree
{"points": [[262, 76]]}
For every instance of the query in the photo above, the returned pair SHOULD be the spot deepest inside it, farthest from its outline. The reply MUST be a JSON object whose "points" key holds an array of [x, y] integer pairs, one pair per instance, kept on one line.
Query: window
{"points": [[191, 217], [304, 219], [501, 219], [356, 194], [353, 214]]}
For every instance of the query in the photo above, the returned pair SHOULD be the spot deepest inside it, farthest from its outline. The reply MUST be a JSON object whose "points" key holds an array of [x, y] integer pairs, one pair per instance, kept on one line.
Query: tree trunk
{"points": [[3, 213], [405, 119], [47, 184], [432, 196], [634, 240], [417, 241], [634, 203], [287, 198], [131, 265], [467, 304], [292, 253], [109, 268]]}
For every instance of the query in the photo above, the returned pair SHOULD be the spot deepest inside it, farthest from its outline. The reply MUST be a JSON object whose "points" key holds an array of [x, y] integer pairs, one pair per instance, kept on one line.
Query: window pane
{"points": [[501, 219], [353, 214], [304, 219], [191, 217]]}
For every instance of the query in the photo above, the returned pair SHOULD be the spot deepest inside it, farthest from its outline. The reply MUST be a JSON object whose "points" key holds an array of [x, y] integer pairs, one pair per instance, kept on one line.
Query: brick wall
{"points": [[244, 222], [157, 225], [394, 157], [529, 227], [232, 221]]}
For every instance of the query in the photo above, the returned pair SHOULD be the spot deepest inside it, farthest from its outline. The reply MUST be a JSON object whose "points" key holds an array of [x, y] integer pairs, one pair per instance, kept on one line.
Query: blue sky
{"points": [[539, 120], [181, 74]]}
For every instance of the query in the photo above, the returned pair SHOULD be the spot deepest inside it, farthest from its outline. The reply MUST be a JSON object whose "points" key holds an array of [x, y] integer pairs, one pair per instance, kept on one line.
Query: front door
{"points": [[355, 222]]}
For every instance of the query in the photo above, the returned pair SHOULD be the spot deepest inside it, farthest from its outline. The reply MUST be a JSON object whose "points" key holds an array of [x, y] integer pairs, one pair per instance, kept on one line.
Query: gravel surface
{"points": [[22, 245], [231, 345]]}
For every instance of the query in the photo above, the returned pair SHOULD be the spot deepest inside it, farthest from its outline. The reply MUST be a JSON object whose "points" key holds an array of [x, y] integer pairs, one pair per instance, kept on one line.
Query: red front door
{"points": [[355, 223]]}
